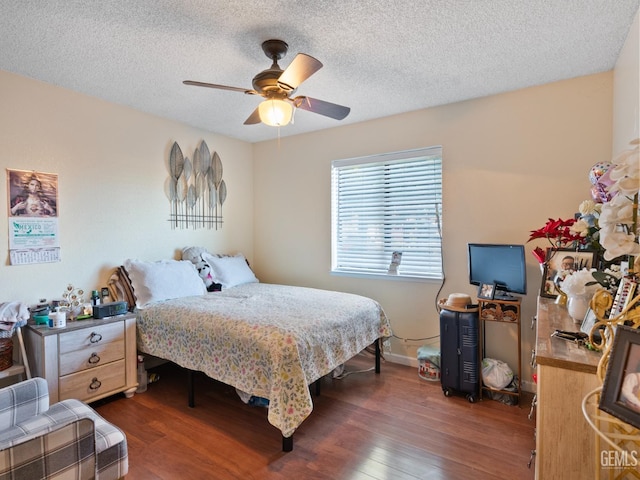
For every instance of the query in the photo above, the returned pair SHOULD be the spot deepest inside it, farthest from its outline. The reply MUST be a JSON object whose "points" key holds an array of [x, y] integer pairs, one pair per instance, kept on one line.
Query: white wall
{"points": [[626, 91], [510, 162], [112, 167]]}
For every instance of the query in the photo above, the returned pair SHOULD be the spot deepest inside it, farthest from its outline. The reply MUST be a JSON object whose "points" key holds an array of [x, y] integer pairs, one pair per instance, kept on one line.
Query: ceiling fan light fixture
{"points": [[276, 86], [275, 112]]}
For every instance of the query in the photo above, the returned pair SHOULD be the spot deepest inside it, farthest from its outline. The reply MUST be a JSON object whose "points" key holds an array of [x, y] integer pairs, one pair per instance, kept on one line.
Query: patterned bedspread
{"points": [[271, 341]]}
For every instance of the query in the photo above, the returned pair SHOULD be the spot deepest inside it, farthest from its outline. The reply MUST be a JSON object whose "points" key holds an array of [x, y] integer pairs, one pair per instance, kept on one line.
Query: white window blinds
{"points": [[384, 204]]}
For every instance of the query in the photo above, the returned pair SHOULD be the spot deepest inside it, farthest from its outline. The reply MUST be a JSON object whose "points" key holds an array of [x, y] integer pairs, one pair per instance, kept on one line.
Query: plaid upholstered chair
{"points": [[65, 440]]}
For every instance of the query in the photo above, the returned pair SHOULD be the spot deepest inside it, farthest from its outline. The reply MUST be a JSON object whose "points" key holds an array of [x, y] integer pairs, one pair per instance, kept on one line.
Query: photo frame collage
{"points": [[620, 395], [560, 261]]}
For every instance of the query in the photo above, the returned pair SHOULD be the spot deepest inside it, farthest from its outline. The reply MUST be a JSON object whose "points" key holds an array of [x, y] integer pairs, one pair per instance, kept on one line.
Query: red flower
{"points": [[558, 232], [540, 254]]}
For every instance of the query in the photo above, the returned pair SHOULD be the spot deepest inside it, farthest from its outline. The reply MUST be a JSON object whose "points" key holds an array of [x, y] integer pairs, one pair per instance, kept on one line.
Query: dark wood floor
{"points": [[366, 426]]}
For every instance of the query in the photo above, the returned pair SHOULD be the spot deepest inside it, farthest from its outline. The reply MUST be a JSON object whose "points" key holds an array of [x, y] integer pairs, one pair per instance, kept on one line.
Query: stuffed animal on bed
{"points": [[194, 255], [204, 270]]}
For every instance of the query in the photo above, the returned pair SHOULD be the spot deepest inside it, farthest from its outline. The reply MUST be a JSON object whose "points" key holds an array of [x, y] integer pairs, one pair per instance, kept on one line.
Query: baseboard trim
{"points": [[401, 359], [527, 386]]}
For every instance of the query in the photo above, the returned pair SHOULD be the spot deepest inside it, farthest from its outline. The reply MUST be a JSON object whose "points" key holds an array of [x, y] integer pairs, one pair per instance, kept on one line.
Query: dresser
{"points": [[86, 359], [565, 444]]}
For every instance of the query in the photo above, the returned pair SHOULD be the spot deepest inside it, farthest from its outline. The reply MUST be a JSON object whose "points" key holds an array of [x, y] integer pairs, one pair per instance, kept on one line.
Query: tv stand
{"points": [[505, 312]]}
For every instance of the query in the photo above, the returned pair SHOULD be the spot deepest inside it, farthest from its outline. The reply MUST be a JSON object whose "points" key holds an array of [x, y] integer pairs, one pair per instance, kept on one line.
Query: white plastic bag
{"points": [[496, 374]]}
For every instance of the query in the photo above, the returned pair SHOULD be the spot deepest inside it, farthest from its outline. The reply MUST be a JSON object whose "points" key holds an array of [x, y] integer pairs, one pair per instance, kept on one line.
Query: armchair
{"points": [[65, 440]]}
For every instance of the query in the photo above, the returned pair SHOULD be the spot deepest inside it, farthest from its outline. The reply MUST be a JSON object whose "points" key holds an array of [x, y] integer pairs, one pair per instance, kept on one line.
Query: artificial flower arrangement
{"points": [[580, 283], [607, 223], [561, 235], [558, 233]]}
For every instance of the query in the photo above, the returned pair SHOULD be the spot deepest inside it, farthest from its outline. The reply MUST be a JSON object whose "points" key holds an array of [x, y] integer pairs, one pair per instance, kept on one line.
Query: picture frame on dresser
{"points": [[621, 387], [590, 320], [559, 260], [487, 291]]}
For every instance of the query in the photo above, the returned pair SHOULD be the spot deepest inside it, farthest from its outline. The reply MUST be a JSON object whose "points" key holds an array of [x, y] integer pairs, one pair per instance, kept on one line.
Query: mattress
{"points": [[271, 341]]}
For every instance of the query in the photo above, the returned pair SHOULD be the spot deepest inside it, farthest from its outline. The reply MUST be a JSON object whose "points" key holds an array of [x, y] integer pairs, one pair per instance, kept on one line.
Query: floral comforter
{"points": [[271, 341]]}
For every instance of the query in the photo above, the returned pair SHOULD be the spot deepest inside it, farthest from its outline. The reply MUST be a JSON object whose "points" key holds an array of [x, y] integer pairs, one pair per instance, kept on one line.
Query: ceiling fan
{"points": [[277, 86]]}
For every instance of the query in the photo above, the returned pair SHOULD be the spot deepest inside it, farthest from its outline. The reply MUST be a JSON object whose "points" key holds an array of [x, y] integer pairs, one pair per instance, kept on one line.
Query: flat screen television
{"points": [[502, 265]]}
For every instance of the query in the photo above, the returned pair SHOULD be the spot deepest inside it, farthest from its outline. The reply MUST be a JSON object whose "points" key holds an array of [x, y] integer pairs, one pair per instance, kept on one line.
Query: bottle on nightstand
{"points": [[95, 298]]}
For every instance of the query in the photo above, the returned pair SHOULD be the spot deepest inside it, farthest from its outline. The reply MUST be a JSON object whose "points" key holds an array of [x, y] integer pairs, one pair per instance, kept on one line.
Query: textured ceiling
{"points": [[380, 58]]}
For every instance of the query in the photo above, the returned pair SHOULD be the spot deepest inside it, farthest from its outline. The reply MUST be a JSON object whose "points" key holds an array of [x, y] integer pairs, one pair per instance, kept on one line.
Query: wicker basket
{"points": [[6, 353]]}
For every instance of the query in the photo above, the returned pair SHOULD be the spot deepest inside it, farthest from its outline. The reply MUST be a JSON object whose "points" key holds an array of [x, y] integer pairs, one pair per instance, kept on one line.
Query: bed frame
{"points": [[287, 442]]}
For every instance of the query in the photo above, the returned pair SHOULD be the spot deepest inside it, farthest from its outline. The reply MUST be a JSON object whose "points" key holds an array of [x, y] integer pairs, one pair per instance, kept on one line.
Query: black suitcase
{"points": [[459, 369]]}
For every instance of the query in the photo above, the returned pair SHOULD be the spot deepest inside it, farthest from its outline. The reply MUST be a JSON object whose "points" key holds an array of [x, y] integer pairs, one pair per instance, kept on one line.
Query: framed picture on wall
{"points": [[622, 381], [32, 206], [559, 263]]}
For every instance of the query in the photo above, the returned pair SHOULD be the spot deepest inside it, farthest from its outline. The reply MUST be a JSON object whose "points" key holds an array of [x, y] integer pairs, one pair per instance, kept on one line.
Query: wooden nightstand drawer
{"points": [[71, 357], [91, 357], [91, 337], [95, 382]]}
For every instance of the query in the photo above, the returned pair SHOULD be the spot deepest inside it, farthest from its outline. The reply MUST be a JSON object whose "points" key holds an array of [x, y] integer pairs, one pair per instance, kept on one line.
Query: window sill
{"points": [[384, 276]]}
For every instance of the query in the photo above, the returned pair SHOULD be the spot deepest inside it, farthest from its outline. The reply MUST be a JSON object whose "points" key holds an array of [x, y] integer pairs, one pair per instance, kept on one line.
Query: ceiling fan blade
{"points": [[220, 87], [253, 118], [327, 109], [301, 68]]}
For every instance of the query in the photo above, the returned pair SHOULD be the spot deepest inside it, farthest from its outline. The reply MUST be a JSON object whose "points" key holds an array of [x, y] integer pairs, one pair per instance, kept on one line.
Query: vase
{"points": [[577, 306]]}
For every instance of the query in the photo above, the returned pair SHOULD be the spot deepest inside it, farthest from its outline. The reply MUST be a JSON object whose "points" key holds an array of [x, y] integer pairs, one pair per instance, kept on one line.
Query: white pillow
{"points": [[230, 271], [163, 280]]}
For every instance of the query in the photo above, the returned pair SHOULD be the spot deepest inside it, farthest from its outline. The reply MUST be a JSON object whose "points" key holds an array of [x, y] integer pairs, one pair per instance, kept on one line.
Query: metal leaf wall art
{"points": [[196, 189]]}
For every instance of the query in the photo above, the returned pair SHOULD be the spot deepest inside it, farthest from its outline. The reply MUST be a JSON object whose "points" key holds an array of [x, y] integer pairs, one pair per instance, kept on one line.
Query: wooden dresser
{"points": [[87, 359], [565, 444]]}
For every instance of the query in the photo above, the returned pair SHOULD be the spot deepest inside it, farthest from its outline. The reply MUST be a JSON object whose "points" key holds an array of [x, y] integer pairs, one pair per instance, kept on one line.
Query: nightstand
{"points": [[86, 359]]}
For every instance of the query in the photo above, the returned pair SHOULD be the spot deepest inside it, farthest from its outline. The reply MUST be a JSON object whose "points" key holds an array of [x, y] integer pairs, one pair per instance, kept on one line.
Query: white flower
{"points": [[576, 283], [614, 271], [589, 207], [626, 172], [581, 228], [617, 242], [619, 210]]}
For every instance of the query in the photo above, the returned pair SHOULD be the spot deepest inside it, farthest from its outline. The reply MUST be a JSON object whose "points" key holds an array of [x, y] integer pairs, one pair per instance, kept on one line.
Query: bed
{"points": [[269, 341]]}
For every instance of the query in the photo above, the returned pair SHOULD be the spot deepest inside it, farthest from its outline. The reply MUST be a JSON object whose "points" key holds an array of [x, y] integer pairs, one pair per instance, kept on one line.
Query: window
{"points": [[384, 204]]}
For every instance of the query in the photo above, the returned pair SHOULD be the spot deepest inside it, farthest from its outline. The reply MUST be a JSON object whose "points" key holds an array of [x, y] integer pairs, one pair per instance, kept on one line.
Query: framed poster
{"points": [[33, 217]]}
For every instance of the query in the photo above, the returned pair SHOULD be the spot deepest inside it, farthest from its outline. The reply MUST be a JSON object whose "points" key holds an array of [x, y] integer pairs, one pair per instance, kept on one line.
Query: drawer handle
{"points": [[95, 384], [94, 358], [95, 337], [533, 358]]}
